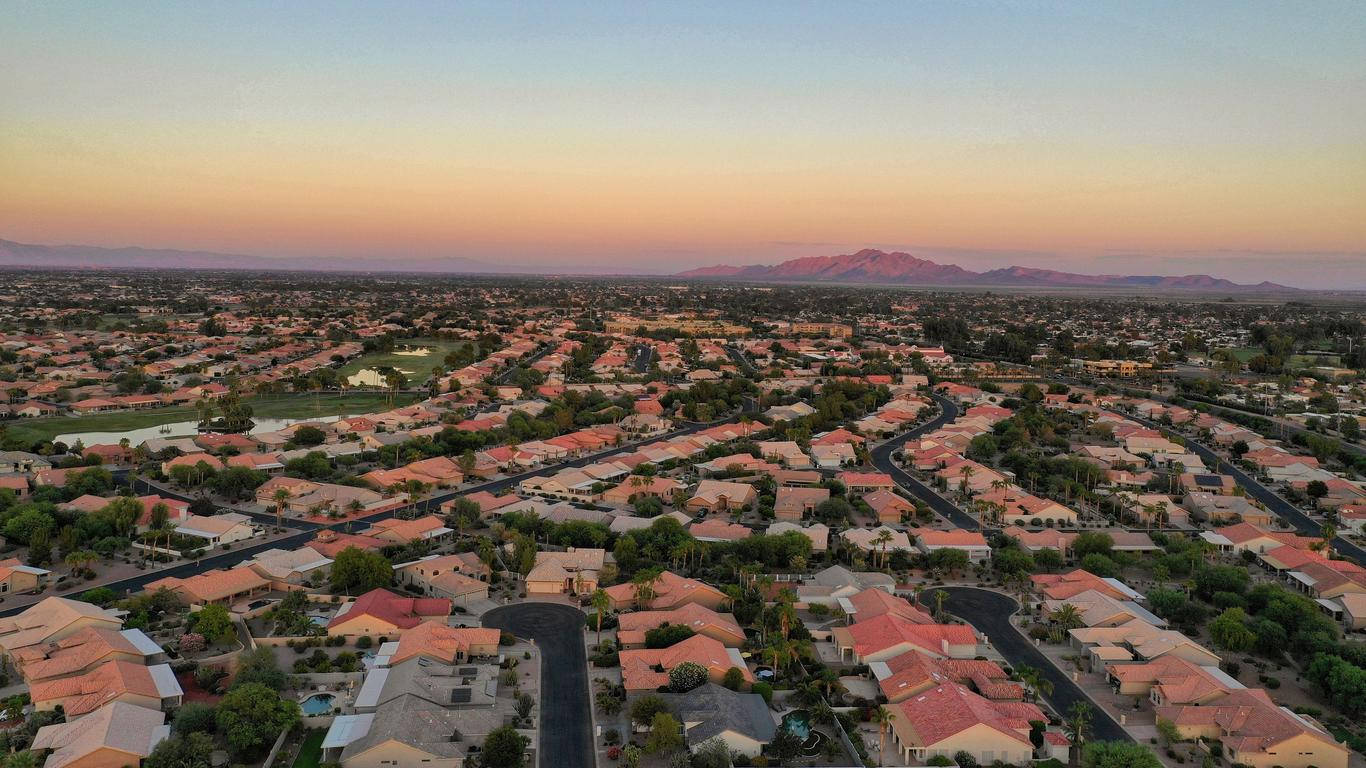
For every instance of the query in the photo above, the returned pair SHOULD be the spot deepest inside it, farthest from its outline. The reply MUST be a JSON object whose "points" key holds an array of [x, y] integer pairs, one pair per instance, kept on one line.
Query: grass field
{"points": [[1243, 354], [420, 366], [292, 406], [311, 751]]}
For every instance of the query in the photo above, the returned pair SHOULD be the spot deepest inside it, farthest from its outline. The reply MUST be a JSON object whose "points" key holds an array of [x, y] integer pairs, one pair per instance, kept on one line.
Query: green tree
{"points": [[504, 748], [259, 666], [666, 735], [1119, 754], [356, 571], [644, 709], [215, 624], [687, 676], [195, 717], [182, 750], [1229, 631], [251, 716]]}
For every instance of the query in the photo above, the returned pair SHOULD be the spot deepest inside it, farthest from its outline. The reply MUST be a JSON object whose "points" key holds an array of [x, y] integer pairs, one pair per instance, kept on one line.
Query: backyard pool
{"points": [[317, 704], [798, 721]]}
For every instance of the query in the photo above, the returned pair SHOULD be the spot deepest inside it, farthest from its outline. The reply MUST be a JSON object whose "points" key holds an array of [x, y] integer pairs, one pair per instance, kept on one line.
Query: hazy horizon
{"points": [[1168, 138]]}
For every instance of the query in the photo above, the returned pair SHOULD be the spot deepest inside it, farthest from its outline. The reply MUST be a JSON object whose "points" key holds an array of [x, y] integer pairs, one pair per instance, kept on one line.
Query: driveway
{"points": [[882, 460], [566, 722], [989, 612]]}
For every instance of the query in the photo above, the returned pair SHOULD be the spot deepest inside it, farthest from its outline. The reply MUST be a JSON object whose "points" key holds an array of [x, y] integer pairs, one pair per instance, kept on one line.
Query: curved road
{"points": [[566, 740], [882, 459], [989, 612]]}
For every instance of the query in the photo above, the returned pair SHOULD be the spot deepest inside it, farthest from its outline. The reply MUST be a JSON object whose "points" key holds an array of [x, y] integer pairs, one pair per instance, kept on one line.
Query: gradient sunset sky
{"points": [[1097, 136]]}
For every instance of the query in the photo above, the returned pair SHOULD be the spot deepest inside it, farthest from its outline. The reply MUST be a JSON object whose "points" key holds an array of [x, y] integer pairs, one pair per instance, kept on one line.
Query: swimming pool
{"points": [[798, 721], [317, 704]]}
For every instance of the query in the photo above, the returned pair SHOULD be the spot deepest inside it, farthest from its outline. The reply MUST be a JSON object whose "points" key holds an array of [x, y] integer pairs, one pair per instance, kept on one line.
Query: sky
{"points": [[1095, 136]]}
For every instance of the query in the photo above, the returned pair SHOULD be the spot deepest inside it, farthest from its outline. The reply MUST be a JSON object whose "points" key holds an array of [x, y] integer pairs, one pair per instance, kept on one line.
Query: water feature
{"points": [[317, 704], [798, 722]]}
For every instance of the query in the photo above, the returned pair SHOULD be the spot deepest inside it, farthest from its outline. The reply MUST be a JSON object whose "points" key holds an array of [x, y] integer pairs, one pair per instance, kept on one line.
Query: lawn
{"points": [[291, 406], [417, 367], [311, 751]]}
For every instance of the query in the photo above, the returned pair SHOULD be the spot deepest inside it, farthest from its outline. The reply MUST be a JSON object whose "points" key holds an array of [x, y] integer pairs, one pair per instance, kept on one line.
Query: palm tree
{"points": [[644, 583], [940, 596], [81, 560], [963, 482], [881, 539], [1035, 681], [1075, 727], [601, 602], [281, 498], [1067, 617], [883, 717]]}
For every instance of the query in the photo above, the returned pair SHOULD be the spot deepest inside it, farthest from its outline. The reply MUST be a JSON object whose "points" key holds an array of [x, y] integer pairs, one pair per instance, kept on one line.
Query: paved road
{"points": [[882, 459], [566, 736], [1282, 508], [989, 612], [640, 360], [501, 377], [741, 360]]}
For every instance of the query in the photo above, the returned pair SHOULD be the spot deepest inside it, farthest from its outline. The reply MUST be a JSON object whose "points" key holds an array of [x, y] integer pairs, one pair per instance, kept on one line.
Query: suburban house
{"points": [[879, 539], [793, 504], [1246, 537], [718, 529], [818, 533], [153, 687], [18, 578], [741, 721], [859, 483], [1060, 586], [81, 652], [871, 603], [1171, 680], [224, 587], [973, 543], [889, 507], [398, 531], [1218, 508], [720, 627], [380, 612], [646, 669], [51, 619], [1255, 731], [296, 566], [889, 635], [669, 591], [721, 496], [115, 735], [913, 673], [443, 643], [453, 577], [573, 572], [1138, 640], [218, 529], [950, 718]]}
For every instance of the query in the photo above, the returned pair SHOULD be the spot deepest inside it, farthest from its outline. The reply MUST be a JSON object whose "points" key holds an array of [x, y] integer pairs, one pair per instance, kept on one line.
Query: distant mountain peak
{"points": [[899, 268]]}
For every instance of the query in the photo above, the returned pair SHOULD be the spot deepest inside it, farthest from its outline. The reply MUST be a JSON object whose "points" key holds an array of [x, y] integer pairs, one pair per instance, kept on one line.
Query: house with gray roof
{"points": [[742, 721]]}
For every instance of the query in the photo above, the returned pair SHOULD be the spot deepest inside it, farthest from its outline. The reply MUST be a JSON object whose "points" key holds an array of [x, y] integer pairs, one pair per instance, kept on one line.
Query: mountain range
{"points": [[873, 266], [866, 266], [93, 257]]}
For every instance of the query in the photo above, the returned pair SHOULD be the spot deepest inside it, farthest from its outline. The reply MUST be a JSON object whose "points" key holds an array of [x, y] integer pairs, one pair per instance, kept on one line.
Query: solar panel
{"points": [[460, 695]]}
